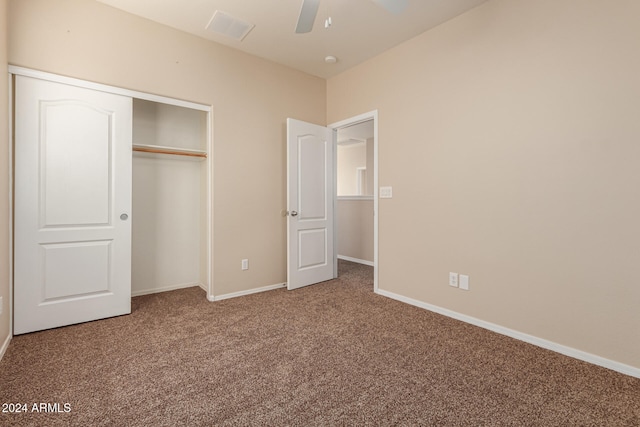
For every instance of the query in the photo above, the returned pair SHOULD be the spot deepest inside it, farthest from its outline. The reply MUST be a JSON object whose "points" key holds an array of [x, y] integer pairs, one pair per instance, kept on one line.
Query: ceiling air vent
{"points": [[227, 25]]}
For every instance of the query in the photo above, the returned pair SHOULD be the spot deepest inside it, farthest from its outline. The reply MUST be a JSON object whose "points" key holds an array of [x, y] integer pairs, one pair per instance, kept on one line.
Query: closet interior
{"points": [[169, 191], [111, 198]]}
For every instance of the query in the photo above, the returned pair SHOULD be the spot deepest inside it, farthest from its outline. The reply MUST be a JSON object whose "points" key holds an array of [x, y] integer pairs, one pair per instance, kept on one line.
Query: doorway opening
{"points": [[355, 195]]}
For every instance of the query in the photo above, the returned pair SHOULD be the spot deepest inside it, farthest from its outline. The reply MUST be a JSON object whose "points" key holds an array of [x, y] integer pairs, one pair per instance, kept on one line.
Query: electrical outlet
{"points": [[245, 264], [453, 279], [386, 192], [464, 282]]}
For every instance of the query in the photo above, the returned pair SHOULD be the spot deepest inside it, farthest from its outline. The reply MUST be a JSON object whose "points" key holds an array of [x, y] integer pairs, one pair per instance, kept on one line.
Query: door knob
{"points": [[294, 213], [124, 217]]}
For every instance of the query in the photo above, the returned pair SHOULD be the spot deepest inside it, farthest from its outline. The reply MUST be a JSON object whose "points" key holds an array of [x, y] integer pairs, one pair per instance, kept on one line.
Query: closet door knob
{"points": [[124, 217], [294, 213]]}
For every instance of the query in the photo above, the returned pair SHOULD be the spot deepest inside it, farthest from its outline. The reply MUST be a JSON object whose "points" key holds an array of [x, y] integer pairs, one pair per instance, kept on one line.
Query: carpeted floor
{"points": [[333, 354]]}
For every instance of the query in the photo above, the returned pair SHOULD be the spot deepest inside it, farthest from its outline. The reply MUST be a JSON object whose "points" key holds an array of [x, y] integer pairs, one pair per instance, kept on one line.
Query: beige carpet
{"points": [[333, 354]]}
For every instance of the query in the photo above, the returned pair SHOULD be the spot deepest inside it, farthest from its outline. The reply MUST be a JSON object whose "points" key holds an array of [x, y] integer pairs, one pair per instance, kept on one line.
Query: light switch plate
{"points": [[245, 264], [464, 282], [386, 192], [1, 305]]}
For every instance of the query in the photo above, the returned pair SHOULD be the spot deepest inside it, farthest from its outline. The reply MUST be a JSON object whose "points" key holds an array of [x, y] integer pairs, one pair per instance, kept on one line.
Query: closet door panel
{"points": [[73, 205], [75, 165]]}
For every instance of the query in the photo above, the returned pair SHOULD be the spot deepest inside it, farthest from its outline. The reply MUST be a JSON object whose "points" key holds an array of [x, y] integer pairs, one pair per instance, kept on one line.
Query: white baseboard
{"points": [[247, 292], [164, 289], [359, 261], [549, 345], [5, 345]]}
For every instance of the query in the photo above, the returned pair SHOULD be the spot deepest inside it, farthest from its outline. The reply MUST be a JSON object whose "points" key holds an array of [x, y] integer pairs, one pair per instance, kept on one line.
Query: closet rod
{"points": [[161, 150]]}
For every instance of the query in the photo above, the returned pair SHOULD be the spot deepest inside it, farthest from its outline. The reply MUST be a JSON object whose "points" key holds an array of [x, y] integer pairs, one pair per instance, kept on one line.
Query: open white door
{"points": [[310, 188], [72, 205]]}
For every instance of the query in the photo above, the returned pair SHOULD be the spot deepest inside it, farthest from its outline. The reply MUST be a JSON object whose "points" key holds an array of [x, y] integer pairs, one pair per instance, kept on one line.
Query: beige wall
{"points": [[355, 229], [251, 100], [511, 137], [4, 179]]}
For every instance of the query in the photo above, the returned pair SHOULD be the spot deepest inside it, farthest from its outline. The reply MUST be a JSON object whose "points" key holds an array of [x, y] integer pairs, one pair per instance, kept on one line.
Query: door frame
{"points": [[4, 345], [208, 109], [371, 115]]}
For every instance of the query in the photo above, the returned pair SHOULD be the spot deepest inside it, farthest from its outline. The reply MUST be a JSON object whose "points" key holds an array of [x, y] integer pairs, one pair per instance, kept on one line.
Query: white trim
{"points": [[539, 342], [357, 260], [355, 198], [210, 196], [334, 133], [371, 115], [164, 289], [360, 179], [106, 88], [248, 292], [376, 192], [5, 345], [11, 149]]}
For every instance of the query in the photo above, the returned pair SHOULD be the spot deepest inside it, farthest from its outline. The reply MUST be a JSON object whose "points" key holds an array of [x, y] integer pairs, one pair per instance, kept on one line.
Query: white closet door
{"points": [[72, 205]]}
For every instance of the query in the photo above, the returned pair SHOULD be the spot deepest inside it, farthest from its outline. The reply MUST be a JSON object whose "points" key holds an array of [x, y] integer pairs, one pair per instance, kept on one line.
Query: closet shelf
{"points": [[169, 150]]}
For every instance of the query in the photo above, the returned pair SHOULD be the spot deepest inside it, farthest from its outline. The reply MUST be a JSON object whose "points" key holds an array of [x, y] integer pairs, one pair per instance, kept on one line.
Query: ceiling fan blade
{"points": [[308, 14], [394, 6]]}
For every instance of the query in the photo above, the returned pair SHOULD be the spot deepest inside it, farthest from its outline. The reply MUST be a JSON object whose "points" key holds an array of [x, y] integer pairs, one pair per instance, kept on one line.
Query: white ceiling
{"points": [[361, 29]]}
